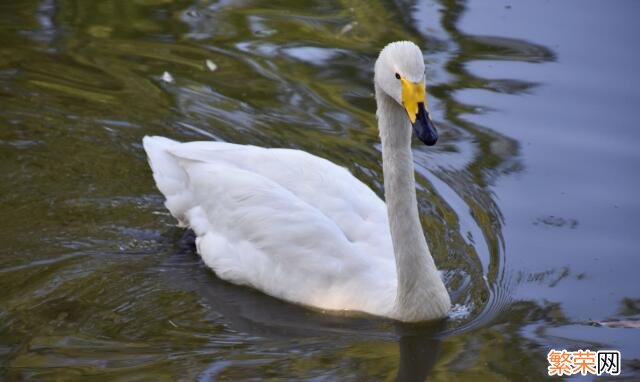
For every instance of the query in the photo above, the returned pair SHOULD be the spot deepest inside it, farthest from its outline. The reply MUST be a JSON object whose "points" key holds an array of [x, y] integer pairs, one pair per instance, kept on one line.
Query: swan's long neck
{"points": [[421, 294]]}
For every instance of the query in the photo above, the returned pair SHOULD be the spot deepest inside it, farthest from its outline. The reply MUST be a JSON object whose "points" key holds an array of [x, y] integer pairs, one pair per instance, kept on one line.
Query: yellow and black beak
{"points": [[414, 102]]}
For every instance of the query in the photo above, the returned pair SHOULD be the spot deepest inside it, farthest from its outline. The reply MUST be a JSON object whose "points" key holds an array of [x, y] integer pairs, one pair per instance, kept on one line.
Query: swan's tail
{"points": [[170, 178]]}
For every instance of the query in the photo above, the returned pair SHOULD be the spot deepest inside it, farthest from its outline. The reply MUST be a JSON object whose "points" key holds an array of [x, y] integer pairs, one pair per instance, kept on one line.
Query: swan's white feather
{"points": [[286, 222]]}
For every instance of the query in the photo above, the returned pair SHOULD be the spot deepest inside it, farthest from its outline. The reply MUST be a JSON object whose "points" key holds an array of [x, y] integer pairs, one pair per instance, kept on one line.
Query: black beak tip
{"points": [[430, 141], [424, 127]]}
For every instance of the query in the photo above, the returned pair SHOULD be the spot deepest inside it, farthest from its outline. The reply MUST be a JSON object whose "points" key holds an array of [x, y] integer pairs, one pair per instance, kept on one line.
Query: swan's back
{"points": [[291, 224]]}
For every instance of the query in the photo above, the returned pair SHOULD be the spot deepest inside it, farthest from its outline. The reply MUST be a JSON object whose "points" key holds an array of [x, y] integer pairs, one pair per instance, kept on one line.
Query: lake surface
{"points": [[529, 199]]}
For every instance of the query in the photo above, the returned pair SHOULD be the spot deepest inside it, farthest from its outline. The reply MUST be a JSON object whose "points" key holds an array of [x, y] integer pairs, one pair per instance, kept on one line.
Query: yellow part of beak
{"points": [[412, 94]]}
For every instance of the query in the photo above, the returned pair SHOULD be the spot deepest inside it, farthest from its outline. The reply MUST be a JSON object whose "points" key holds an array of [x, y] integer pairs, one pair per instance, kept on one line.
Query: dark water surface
{"points": [[529, 200]]}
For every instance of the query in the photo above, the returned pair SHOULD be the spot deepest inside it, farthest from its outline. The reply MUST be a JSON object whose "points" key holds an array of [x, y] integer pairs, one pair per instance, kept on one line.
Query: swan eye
{"points": [[397, 76]]}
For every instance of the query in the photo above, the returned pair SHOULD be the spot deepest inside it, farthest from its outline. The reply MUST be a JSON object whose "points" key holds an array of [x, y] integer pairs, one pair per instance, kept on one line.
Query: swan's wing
{"points": [[254, 231], [357, 211]]}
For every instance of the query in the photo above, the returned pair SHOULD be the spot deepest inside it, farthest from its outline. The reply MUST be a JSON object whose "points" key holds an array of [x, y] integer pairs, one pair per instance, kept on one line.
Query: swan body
{"points": [[300, 228]]}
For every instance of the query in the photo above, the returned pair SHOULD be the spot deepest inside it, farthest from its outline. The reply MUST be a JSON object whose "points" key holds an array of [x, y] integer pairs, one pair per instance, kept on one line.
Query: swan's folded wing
{"points": [[356, 210], [253, 231], [244, 205]]}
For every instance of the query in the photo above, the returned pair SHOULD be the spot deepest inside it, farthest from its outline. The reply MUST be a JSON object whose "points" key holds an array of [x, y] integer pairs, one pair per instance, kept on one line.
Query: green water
{"points": [[529, 199]]}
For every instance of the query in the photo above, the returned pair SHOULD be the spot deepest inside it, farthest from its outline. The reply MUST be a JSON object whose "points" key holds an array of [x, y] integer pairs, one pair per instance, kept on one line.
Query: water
{"points": [[529, 198]]}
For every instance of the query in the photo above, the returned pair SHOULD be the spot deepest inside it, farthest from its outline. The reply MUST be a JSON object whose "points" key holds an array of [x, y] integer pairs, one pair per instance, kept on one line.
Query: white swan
{"points": [[305, 230]]}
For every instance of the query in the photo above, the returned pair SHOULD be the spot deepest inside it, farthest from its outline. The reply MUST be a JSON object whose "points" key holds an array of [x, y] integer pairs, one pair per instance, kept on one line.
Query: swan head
{"points": [[399, 72]]}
